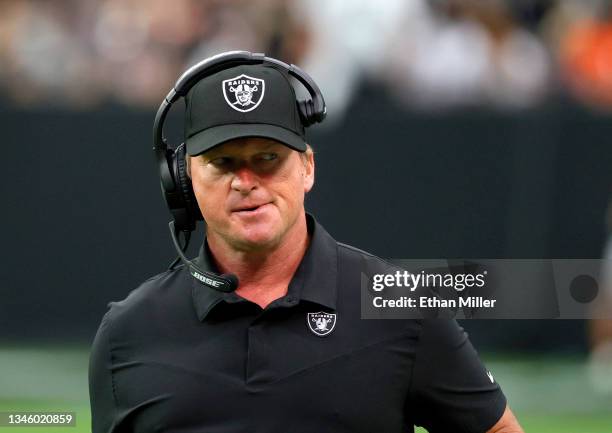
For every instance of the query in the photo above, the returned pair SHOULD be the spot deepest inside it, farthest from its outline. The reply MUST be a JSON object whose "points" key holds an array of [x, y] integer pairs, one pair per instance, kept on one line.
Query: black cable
{"points": [[187, 236]]}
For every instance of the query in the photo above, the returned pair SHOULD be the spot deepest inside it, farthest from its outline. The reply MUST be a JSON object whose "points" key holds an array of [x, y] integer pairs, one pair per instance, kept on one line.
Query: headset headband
{"points": [[223, 61]]}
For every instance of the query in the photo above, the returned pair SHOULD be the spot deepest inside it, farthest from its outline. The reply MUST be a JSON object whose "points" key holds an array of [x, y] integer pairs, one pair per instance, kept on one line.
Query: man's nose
{"points": [[244, 180]]}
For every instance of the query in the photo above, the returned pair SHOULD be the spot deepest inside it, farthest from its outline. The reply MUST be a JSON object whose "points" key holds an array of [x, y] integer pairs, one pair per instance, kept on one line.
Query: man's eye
{"points": [[268, 156], [221, 161]]}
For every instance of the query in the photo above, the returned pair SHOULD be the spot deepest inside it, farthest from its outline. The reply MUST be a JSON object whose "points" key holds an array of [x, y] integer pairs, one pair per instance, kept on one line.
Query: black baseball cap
{"points": [[243, 101]]}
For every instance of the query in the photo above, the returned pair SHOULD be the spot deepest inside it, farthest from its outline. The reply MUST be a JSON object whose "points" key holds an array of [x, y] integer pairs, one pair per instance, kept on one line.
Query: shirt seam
{"points": [[114, 385], [418, 345], [342, 355], [112, 359]]}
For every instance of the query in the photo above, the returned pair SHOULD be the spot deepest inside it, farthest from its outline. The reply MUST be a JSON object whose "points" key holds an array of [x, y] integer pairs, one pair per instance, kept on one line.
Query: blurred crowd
{"points": [[429, 54]]}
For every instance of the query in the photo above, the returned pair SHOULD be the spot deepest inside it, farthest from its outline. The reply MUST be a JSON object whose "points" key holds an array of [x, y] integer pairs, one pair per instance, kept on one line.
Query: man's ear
{"points": [[309, 169]]}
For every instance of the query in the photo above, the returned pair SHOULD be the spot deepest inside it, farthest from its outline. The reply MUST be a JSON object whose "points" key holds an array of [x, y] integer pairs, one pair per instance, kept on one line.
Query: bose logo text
{"points": [[206, 280]]}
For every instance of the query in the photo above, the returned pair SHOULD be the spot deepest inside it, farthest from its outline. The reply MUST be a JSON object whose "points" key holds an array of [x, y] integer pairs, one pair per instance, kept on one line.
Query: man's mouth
{"points": [[250, 209]]}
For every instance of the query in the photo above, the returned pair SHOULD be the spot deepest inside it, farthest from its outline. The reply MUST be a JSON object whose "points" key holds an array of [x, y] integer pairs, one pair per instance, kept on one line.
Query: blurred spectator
{"points": [[469, 52], [586, 57], [348, 42], [41, 60]]}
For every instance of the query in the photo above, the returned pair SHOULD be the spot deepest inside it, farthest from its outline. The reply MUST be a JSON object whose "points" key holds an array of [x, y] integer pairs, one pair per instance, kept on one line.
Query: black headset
{"points": [[175, 184]]}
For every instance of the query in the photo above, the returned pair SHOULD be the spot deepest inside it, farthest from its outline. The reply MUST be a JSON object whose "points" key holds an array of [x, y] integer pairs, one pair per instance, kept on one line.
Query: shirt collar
{"points": [[315, 279]]}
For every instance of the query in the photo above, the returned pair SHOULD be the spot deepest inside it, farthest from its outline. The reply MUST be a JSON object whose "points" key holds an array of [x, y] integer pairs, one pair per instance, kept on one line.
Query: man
{"points": [[287, 350]]}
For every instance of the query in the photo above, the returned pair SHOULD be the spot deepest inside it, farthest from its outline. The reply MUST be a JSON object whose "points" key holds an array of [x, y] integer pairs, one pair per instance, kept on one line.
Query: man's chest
{"points": [[291, 371]]}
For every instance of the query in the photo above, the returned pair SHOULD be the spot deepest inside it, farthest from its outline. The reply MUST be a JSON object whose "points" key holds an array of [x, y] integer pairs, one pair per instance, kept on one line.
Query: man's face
{"points": [[243, 95], [251, 191]]}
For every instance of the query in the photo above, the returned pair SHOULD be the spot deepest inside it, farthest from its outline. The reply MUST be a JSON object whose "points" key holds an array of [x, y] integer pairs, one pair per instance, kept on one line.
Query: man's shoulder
{"points": [[364, 260], [153, 297], [154, 288]]}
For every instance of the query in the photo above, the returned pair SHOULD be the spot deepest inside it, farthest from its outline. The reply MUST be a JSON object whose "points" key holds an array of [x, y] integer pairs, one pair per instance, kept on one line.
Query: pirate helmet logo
{"points": [[321, 323], [243, 93]]}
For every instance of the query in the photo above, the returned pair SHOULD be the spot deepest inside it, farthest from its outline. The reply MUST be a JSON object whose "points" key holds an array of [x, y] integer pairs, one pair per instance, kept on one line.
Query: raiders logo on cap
{"points": [[321, 323], [243, 93]]}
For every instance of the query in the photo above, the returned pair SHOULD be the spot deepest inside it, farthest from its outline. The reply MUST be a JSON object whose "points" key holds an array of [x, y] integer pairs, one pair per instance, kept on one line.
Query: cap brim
{"points": [[211, 137]]}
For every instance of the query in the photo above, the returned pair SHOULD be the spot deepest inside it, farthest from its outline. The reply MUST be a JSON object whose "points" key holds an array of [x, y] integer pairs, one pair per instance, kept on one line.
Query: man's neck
{"points": [[264, 275]]}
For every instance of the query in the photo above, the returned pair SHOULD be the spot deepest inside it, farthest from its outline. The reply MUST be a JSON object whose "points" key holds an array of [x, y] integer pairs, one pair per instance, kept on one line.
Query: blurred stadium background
{"points": [[457, 128]]}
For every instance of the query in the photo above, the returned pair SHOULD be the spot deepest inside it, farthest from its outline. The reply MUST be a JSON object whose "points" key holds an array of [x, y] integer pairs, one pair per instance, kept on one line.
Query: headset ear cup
{"points": [[191, 210], [306, 109]]}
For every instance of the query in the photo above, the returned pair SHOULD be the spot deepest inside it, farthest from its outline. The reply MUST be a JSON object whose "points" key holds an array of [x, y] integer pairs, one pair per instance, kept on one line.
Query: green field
{"points": [[548, 394]]}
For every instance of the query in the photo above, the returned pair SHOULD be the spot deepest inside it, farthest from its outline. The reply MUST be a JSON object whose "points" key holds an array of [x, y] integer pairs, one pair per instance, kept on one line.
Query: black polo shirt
{"points": [[176, 356]]}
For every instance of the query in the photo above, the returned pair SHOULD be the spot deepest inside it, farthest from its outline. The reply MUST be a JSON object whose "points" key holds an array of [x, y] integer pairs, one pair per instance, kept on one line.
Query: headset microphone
{"points": [[223, 283]]}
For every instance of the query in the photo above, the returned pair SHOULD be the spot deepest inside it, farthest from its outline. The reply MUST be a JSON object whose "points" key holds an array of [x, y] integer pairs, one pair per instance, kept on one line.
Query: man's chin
{"points": [[260, 241], [260, 235]]}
